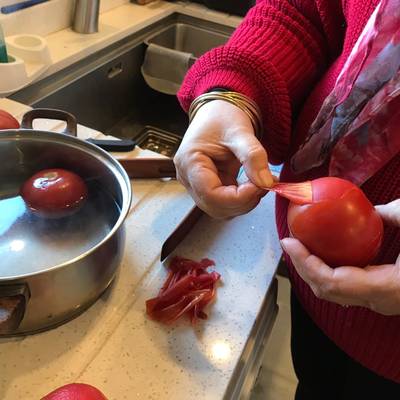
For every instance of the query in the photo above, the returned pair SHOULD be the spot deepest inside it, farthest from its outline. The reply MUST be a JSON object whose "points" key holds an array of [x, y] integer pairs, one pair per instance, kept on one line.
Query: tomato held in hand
{"points": [[54, 193], [75, 391], [7, 121], [340, 226]]}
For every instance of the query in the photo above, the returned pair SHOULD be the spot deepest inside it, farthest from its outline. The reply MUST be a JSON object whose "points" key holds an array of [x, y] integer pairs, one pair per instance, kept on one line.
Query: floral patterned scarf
{"points": [[358, 126]]}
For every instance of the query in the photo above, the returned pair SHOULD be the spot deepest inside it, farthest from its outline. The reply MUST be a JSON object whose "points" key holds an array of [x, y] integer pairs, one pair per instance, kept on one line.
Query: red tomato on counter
{"points": [[54, 193], [75, 391], [7, 121], [340, 226]]}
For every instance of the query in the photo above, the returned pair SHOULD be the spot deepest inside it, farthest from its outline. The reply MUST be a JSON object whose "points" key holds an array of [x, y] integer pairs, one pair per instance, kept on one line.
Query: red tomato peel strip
{"points": [[173, 312], [188, 289], [315, 191], [299, 193]]}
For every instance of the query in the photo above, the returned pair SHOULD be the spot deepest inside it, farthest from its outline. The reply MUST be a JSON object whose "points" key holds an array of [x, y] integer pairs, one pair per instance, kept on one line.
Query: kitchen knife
{"points": [[149, 167], [162, 168], [114, 145], [180, 232]]}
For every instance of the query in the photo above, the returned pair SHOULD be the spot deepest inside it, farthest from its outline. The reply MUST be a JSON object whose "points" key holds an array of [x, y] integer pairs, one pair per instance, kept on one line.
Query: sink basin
{"points": [[107, 92], [188, 38]]}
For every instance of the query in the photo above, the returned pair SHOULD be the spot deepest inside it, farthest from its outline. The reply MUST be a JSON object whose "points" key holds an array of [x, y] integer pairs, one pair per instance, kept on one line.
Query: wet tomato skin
{"points": [[341, 226], [54, 193]]}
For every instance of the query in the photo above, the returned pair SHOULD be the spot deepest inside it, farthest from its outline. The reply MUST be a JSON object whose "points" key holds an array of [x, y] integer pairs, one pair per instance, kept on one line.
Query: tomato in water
{"points": [[75, 391], [340, 226], [54, 193]]}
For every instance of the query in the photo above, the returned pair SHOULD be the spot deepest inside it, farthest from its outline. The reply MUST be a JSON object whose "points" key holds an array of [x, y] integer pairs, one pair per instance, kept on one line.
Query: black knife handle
{"points": [[114, 145]]}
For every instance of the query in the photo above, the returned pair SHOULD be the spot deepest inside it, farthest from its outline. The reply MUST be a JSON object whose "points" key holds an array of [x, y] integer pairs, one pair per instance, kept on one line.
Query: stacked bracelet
{"points": [[246, 104]]}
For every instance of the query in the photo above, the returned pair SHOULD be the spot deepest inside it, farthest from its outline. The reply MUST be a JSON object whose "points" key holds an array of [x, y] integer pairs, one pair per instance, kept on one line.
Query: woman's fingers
{"points": [[253, 157], [218, 141], [214, 197], [376, 287], [343, 285], [390, 212]]}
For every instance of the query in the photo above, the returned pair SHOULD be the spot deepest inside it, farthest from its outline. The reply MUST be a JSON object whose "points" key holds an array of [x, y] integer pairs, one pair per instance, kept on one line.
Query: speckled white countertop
{"points": [[113, 346]]}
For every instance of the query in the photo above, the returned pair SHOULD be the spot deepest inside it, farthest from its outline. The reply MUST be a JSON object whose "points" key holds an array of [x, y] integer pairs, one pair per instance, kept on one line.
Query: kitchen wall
{"points": [[45, 18]]}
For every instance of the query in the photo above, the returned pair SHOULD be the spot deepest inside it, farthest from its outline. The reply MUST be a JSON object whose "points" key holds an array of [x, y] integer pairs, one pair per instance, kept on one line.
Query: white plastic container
{"points": [[28, 58]]}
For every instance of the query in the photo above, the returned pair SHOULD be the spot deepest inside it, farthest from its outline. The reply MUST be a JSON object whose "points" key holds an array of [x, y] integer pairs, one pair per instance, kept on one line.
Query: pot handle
{"points": [[13, 300], [50, 113]]}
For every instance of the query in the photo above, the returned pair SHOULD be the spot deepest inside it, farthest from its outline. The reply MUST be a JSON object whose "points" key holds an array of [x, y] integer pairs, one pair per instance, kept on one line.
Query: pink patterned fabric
{"points": [[373, 138], [357, 126]]}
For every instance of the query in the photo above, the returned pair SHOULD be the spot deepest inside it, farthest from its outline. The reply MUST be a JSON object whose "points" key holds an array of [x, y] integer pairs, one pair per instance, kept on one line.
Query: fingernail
{"points": [[282, 242], [265, 178]]}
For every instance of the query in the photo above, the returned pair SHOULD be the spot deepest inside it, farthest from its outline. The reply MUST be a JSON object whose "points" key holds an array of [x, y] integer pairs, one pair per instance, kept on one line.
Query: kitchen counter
{"points": [[113, 345], [116, 348]]}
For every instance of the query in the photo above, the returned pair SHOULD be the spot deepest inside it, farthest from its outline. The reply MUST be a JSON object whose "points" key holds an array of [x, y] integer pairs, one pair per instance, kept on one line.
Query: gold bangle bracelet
{"points": [[241, 101]]}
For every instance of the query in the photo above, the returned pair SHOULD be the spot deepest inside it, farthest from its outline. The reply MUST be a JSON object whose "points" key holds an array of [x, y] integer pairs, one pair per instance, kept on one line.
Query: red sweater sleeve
{"points": [[274, 57]]}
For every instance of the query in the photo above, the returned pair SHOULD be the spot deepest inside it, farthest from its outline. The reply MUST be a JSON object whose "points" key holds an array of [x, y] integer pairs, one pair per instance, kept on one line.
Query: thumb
{"points": [[390, 212], [252, 155]]}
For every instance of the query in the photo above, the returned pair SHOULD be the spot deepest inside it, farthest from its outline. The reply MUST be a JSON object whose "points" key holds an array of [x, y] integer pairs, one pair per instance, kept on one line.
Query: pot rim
{"points": [[109, 161]]}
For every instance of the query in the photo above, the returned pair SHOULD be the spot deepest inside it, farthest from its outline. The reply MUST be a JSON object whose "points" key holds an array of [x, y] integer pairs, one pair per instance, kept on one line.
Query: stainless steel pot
{"points": [[50, 271]]}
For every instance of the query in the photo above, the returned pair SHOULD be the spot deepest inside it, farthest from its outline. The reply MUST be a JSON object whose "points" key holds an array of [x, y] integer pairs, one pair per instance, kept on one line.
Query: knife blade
{"points": [[180, 232], [163, 168]]}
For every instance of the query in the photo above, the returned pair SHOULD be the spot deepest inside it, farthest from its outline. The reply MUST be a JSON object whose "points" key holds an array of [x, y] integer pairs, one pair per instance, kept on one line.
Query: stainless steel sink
{"points": [[107, 92], [188, 38]]}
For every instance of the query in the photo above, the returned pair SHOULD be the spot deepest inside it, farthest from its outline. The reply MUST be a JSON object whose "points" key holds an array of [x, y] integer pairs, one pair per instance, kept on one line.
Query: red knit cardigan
{"points": [[286, 55]]}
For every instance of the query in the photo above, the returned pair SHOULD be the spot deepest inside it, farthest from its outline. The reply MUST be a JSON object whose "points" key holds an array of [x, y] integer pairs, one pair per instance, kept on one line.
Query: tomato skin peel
{"points": [[188, 289], [340, 226]]}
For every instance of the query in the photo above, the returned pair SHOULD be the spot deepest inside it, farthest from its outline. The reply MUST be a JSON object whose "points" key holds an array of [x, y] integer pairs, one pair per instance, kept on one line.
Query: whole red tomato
{"points": [[340, 226], [7, 121], [54, 193], [75, 391]]}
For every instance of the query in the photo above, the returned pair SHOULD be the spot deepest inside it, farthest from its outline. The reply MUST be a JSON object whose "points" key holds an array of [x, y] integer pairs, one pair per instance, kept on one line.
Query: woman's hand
{"points": [[218, 141], [376, 287]]}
